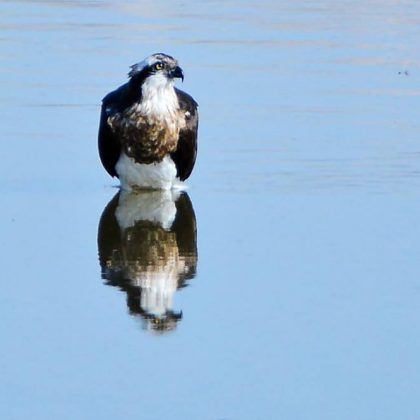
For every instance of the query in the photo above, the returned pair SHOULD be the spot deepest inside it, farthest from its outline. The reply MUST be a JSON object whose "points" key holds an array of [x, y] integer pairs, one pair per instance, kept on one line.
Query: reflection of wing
{"points": [[185, 227], [186, 152], [148, 248]]}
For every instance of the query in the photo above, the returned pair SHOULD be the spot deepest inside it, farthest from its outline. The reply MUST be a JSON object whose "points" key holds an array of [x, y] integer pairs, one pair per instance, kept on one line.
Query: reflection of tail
{"points": [[147, 245]]}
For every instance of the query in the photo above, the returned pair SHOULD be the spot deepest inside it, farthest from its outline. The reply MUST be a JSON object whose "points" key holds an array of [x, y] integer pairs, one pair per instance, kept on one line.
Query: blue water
{"points": [[290, 266]]}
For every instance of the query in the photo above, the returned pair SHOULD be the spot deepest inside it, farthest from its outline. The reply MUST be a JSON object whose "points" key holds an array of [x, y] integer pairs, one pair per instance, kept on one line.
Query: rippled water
{"points": [[284, 284]]}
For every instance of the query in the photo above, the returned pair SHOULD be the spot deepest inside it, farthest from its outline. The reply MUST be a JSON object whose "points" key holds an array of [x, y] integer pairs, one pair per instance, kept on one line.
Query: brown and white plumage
{"points": [[148, 128]]}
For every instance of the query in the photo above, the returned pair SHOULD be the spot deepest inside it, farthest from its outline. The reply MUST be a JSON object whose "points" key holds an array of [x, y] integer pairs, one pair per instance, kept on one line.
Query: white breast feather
{"points": [[161, 175], [158, 97], [159, 100]]}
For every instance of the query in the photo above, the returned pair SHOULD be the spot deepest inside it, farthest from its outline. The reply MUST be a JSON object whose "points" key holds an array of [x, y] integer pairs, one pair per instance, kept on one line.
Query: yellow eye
{"points": [[158, 66]]}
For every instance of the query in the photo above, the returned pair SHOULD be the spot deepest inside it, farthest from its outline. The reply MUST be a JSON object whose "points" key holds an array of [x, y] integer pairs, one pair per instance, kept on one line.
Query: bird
{"points": [[148, 128]]}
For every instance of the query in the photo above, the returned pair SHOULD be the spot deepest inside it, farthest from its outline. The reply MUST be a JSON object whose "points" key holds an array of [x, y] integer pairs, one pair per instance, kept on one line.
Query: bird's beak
{"points": [[177, 72]]}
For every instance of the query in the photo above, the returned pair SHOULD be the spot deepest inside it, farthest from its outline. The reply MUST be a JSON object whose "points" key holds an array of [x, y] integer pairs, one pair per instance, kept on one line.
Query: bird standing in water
{"points": [[148, 128]]}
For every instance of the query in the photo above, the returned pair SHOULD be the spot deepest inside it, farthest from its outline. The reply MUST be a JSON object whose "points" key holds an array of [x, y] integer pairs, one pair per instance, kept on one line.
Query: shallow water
{"points": [[284, 284]]}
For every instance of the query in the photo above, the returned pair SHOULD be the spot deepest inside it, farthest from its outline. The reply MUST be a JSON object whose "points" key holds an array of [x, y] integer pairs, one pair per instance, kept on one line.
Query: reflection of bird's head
{"points": [[162, 324], [157, 70]]}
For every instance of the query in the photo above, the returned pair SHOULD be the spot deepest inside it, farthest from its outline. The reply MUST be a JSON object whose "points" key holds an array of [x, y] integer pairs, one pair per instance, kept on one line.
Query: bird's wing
{"points": [[186, 152], [108, 144]]}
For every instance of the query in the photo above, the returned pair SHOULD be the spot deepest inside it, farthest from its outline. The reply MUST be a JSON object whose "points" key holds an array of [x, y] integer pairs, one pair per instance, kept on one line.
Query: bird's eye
{"points": [[158, 66]]}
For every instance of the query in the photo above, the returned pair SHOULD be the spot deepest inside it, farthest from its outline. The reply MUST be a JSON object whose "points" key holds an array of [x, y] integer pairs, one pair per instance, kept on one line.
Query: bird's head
{"points": [[160, 69]]}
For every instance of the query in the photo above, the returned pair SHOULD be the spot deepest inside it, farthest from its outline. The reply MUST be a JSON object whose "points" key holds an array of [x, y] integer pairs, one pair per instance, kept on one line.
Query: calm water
{"points": [[284, 285]]}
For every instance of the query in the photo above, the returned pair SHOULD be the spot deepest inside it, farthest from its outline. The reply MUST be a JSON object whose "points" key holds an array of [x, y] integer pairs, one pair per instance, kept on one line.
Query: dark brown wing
{"points": [[108, 143], [186, 152], [109, 148]]}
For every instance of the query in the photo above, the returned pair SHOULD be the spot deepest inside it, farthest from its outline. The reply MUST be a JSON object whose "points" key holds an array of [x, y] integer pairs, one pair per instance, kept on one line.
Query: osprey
{"points": [[148, 128]]}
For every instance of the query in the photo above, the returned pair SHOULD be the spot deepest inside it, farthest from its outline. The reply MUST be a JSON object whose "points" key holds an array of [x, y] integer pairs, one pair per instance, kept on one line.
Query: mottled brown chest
{"points": [[147, 138]]}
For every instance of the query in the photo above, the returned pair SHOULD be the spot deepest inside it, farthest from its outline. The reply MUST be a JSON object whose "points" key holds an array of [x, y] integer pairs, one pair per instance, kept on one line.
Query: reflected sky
{"points": [[147, 244]]}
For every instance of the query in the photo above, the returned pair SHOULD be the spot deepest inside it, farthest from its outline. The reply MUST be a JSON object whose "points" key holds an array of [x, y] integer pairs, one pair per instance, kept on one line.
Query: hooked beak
{"points": [[177, 72]]}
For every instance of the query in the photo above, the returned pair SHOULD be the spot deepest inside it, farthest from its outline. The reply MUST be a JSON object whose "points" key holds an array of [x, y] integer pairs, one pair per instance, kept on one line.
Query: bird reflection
{"points": [[147, 244]]}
